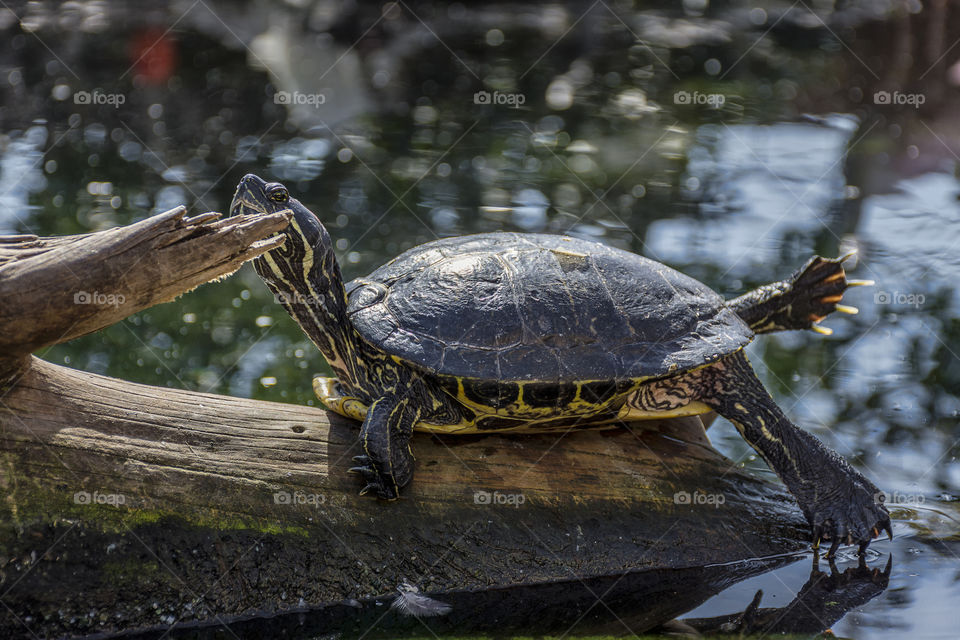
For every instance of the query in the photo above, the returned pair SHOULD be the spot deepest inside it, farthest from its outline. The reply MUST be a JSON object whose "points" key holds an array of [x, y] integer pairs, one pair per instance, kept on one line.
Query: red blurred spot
{"points": [[153, 53]]}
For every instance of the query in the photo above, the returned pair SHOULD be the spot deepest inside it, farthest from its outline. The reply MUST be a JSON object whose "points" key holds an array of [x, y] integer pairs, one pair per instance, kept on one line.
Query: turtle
{"points": [[521, 332]]}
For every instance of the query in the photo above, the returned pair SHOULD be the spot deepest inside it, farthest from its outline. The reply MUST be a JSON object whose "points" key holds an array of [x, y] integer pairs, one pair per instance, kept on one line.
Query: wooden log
{"points": [[250, 503], [55, 289]]}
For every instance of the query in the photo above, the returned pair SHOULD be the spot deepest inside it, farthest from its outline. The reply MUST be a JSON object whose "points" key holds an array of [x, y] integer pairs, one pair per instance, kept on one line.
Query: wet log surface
{"points": [[141, 506]]}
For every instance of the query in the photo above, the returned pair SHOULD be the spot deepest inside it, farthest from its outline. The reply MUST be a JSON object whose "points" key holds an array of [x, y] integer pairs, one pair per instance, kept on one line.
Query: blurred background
{"points": [[731, 140]]}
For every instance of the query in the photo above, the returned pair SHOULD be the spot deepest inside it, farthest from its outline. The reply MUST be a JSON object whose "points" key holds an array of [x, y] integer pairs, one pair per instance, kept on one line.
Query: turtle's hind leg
{"points": [[838, 502], [799, 302], [333, 398]]}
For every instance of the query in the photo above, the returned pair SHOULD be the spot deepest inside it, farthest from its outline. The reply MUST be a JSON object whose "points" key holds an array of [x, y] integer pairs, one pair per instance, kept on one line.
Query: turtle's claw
{"points": [[377, 483], [817, 290], [362, 460], [378, 489], [367, 472], [817, 537], [854, 516], [847, 255], [801, 301]]}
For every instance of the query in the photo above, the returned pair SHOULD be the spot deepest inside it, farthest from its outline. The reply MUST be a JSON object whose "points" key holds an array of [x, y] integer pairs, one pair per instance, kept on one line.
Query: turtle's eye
{"points": [[277, 192]]}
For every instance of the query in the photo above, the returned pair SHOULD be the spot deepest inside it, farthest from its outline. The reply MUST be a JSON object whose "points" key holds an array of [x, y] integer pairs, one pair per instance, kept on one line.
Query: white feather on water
{"points": [[411, 602]]}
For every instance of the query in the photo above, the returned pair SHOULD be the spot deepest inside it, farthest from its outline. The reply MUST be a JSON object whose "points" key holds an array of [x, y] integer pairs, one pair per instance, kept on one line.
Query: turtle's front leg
{"points": [[838, 501], [387, 465]]}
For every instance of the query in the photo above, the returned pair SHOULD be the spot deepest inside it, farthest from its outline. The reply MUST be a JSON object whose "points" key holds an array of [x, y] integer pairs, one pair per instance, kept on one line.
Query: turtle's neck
{"points": [[306, 280]]}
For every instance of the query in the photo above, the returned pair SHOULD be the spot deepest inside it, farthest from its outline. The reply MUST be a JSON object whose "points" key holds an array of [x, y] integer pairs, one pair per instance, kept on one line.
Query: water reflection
{"points": [[780, 181], [634, 603], [611, 140], [21, 175]]}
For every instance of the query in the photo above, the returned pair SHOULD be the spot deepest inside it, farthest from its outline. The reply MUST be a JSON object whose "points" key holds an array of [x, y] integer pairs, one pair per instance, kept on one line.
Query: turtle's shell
{"points": [[522, 307]]}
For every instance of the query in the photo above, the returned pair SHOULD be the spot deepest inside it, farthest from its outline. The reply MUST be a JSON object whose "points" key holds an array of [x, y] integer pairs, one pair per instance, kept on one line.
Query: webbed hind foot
{"points": [[855, 516], [817, 289], [801, 301], [838, 501]]}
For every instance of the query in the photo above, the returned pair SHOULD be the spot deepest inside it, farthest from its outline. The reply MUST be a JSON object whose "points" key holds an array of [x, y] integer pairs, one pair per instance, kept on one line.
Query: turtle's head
{"points": [[257, 196], [305, 278], [303, 271]]}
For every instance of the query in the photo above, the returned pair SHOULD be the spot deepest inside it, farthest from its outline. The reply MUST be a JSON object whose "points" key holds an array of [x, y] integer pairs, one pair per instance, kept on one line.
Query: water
{"points": [[692, 139]]}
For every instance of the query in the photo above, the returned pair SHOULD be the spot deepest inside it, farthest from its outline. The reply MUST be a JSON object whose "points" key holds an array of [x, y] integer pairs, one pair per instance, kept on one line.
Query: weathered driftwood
{"points": [[250, 504], [56, 289], [128, 506]]}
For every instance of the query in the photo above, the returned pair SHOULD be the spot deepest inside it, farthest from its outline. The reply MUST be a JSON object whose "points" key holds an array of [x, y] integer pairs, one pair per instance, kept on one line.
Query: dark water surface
{"points": [[730, 141]]}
